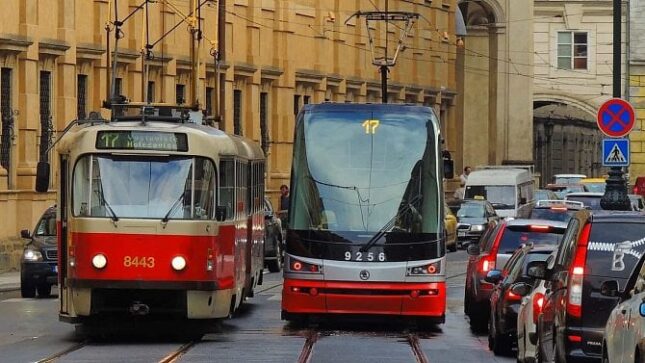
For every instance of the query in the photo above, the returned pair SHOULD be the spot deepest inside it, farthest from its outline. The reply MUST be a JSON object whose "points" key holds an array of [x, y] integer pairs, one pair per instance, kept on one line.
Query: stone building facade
{"points": [[278, 56], [572, 78], [637, 86]]}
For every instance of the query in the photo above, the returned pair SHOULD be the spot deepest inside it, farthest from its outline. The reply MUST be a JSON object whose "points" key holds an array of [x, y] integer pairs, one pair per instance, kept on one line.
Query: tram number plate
{"points": [[365, 256], [141, 262]]}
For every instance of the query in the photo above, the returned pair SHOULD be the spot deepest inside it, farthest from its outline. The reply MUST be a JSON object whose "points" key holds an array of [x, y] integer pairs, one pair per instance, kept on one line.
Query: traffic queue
{"points": [[564, 281]]}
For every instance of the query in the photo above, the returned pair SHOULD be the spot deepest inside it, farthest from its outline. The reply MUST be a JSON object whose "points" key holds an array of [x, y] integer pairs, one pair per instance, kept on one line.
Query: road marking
{"points": [[276, 297]]}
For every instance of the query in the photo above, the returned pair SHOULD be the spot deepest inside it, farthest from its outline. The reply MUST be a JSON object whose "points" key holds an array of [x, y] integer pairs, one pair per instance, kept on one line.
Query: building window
{"points": [[81, 97], [118, 86], [307, 99], [572, 50], [151, 91], [264, 129], [209, 101], [46, 127], [180, 94], [237, 112], [296, 104], [7, 118]]}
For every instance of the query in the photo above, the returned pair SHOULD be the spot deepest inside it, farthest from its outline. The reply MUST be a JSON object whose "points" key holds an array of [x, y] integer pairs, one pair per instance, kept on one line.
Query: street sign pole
{"points": [[615, 197]]}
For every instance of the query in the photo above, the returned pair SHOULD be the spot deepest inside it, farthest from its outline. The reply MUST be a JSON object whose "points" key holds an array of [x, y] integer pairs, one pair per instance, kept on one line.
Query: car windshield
{"points": [[362, 171], [144, 187], [568, 179], [552, 214], [47, 225], [590, 202], [595, 187], [514, 238], [471, 210], [500, 196]]}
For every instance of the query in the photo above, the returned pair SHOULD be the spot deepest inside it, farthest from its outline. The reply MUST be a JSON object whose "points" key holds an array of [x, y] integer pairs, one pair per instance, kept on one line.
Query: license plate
{"points": [[369, 256], [461, 234], [56, 268]]}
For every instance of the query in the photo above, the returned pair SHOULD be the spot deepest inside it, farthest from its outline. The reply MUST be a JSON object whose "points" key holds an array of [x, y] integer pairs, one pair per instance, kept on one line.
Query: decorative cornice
{"points": [[334, 80], [13, 43], [53, 47], [127, 55], [309, 76], [354, 83], [244, 69], [89, 51], [271, 72]]}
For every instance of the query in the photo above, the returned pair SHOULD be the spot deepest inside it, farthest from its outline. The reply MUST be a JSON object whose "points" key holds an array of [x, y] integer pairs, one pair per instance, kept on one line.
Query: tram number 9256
{"points": [[365, 256]]}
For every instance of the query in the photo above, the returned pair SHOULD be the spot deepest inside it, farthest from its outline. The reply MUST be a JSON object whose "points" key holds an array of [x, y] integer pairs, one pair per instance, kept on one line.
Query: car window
{"points": [[569, 240], [561, 215], [513, 238], [514, 266], [614, 248], [486, 241], [46, 226], [471, 210], [592, 203]]}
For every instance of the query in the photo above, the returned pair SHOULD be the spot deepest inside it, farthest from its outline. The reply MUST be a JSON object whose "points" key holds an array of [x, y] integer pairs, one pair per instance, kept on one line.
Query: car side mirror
{"points": [[537, 270], [42, 177], [473, 249], [493, 276], [521, 289], [641, 309], [220, 213], [609, 288], [25, 233], [448, 168]]}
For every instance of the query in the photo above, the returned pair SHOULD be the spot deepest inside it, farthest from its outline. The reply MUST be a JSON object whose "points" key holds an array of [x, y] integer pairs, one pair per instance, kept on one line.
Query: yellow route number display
{"points": [[370, 126]]}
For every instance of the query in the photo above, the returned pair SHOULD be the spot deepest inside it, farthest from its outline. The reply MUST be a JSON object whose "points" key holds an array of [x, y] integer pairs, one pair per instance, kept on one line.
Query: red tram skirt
{"points": [[379, 298]]}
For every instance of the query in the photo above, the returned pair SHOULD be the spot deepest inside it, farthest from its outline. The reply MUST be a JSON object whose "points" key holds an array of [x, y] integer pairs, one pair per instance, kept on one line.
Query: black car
{"points": [[473, 217], [599, 249], [39, 262], [512, 283], [273, 241], [552, 210]]}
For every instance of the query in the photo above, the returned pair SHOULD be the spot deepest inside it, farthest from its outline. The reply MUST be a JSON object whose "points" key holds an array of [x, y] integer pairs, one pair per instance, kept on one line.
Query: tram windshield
{"points": [[366, 172], [144, 187]]}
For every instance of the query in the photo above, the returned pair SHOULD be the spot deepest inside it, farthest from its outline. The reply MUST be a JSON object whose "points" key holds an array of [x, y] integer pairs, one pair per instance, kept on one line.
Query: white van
{"points": [[507, 188]]}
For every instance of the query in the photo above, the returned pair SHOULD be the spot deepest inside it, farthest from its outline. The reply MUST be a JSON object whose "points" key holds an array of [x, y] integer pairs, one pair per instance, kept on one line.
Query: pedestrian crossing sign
{"points": [[615, 152]]}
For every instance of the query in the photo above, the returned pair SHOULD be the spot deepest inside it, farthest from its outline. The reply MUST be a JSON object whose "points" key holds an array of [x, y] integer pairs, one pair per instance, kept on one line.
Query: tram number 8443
{"points": [[365, 256], [143, 262]]}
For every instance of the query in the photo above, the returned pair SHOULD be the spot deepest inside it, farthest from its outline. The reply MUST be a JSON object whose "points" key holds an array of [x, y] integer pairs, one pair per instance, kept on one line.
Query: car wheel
{"points": [[497, 342], [27, 289], [276, 265], [44, 290]]}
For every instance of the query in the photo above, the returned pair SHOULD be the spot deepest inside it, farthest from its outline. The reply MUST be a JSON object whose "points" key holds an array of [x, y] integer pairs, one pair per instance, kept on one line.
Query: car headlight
{"points": [[477, 227], [32, 255]]}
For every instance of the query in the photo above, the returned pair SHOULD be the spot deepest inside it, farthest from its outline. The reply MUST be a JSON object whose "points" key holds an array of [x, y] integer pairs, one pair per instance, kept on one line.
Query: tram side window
{"points": [[227, 186], [204, 189]]}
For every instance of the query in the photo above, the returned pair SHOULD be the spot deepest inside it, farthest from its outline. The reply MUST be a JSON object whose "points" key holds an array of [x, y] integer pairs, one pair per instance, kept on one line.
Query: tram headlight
{"points": [[99, 261], [178, 263], [303, 267], [430, 269], [32, 255]]}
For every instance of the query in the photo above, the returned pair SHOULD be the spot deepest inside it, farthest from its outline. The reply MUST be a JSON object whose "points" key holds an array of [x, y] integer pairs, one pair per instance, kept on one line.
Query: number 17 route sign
{"points": [[616, 118]]}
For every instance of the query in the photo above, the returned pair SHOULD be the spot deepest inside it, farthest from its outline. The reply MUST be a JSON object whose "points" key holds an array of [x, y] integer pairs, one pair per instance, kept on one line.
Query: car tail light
{"points": [[534, 228], [487, 263], [510, 296], [636, 189], [538, 303], [559, 209], [304, 267], [576, 273]]}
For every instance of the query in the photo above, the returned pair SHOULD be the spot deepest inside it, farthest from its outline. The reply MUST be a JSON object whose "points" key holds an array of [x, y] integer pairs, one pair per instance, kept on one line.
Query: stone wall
{"points": [[10, 251]]}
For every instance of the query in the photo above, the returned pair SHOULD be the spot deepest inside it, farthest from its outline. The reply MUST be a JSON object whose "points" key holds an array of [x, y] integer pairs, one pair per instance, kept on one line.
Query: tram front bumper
{"points": [[374, 298]]}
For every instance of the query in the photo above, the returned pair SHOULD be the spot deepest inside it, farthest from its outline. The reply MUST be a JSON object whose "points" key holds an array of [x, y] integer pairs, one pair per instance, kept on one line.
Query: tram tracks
{"points": [[175, 356], [54, 357]]}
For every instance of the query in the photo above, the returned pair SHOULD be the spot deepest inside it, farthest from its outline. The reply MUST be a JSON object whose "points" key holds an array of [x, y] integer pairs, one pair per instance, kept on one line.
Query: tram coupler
{"points": [[139, 308]]}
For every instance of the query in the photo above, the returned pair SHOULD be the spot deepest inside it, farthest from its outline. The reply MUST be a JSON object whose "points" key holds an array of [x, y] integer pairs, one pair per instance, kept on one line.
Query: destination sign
{"points": [[142, 140]]}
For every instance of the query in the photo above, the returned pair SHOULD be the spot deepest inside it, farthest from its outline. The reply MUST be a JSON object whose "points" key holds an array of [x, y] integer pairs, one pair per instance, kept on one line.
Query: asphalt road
{"points": [[30, 332]]}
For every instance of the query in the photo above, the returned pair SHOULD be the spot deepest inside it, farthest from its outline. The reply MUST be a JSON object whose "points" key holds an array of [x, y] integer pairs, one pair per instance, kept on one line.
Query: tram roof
{"points": [[331, 106]]}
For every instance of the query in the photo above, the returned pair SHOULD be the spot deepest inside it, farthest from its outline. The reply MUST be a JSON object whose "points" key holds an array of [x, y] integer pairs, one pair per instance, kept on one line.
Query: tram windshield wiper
{"points": [[112, 214], [172, 208], [390, 224]]}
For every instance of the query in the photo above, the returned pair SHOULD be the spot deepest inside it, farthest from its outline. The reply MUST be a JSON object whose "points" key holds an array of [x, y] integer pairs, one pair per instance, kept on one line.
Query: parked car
{"points": [[553, 210], [598, 246], [273, 241], [39, 262], [590, 200], [562, 190], [625, 328], [494, 249], [473, 217], [568, 178], [594, 185], [545, 194], [638, 203], [512, 283], [450, 221], [639, 186], [527, 316]]}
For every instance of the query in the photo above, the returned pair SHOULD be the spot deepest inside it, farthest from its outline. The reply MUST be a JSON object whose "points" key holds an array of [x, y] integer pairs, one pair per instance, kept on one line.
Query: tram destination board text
{"points": [[142, 140]]}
